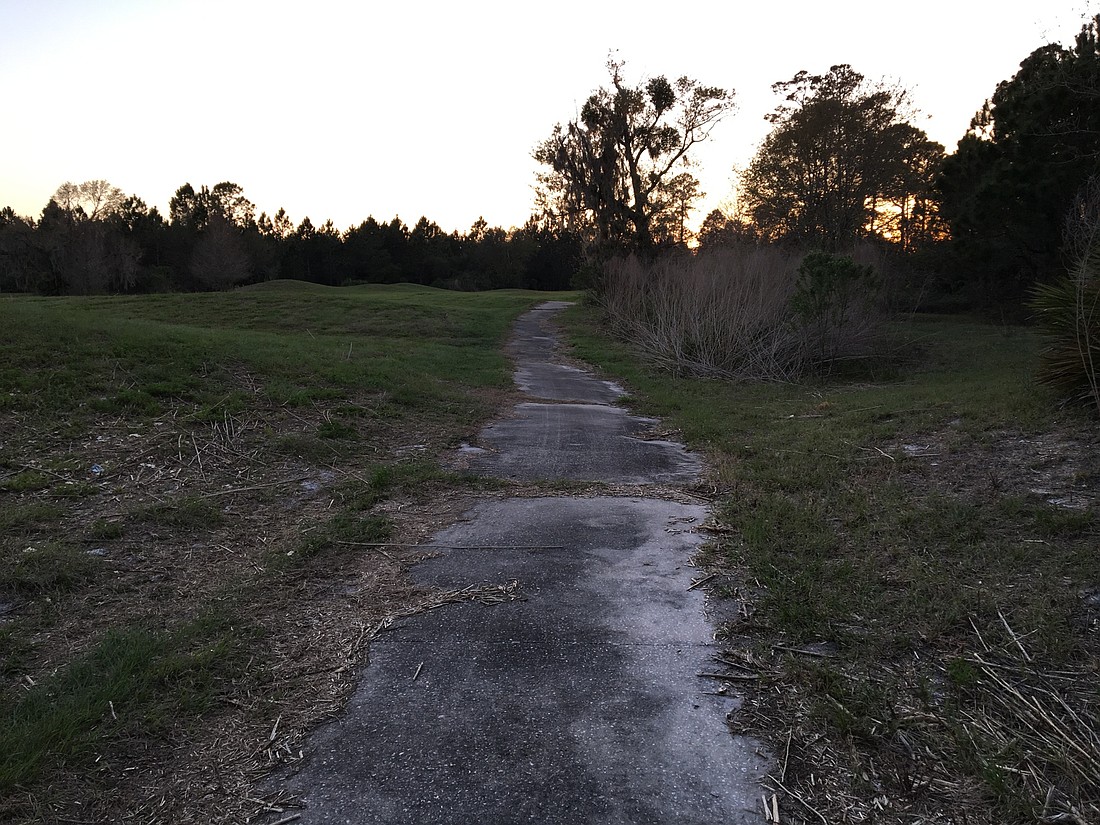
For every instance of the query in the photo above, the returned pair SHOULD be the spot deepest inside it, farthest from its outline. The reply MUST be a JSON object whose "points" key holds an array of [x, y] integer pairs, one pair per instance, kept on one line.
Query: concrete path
{"points": [[580, 703]]}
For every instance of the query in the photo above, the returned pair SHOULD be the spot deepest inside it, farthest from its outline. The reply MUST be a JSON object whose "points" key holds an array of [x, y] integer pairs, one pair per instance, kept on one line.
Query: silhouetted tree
{"points": [[673, 201], [220, 259], [282, 225], [719, 230], [395, 241], [325, 253], [907, 213], [554, 255], [492, 261], [84, 252], [186, 209], [214, 241], [147, 231], [433, 256], [367, 256], [192, 210], [228, 200], [1007, 188], [94, 199], [840, 152], [21, 263], [266, 249], [606, 166]]}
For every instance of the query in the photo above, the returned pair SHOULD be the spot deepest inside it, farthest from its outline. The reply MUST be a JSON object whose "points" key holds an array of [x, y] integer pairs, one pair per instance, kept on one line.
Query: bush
{"points": [[834, 298], [742, 313], [1069, 309]]}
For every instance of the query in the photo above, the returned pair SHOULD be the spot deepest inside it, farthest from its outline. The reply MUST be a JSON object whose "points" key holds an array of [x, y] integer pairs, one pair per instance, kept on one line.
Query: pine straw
{"points": [[1040, 730], [1033, 732]]}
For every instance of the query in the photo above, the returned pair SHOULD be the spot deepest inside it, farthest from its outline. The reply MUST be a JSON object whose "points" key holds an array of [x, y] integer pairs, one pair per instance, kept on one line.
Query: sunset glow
{"points": [[343, 110]]}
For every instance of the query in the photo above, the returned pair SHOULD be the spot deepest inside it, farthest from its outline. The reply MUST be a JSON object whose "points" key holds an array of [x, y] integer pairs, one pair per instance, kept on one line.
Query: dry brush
{"points": [[743, 313]]}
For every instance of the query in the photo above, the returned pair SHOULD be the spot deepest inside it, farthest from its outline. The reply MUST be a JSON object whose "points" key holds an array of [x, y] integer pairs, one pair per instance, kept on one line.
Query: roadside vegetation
{"points": [[907, 506], [746, 312], [193, 493], [911, 546]]}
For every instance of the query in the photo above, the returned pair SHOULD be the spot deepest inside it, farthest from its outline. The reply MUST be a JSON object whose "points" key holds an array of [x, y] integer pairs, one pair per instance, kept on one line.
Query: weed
{"points": [[962, 672], [26, 482], [215, 412], [25, 518], [127, 401], [341, 534], [46, 568], [1055, 522], [187, 513], [133, 682], [15, 650], [337, 429], [304, 447], [104, 530], [74, 489]]}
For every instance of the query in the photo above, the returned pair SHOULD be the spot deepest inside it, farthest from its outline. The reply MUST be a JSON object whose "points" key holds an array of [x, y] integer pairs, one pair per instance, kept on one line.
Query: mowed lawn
{"points": [[913, 552], [192, 491]]}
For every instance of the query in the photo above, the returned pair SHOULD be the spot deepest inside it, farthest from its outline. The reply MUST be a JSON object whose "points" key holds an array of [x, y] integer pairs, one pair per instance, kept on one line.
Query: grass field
{"points": [[913, 552], [192, 488]]}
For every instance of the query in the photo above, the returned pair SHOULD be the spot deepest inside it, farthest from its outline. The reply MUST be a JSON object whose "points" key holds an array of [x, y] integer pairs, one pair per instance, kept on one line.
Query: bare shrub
{"points": [[728, 313]]}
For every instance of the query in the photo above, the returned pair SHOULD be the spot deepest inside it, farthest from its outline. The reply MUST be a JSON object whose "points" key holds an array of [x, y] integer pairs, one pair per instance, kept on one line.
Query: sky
{"points": [[340, 110]]}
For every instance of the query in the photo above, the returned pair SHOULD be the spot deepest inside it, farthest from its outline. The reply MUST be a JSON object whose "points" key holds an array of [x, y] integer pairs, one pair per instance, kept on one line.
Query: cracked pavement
{"points": [[579, 702]]}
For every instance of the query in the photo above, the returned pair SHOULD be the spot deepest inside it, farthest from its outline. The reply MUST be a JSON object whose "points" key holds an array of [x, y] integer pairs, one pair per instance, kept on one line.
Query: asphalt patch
{"points": [[579, 703], [585, 442]]}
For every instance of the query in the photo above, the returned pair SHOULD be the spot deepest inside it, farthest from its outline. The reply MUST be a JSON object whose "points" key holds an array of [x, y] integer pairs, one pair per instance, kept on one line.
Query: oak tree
{"points": [[840, 151], [91, 200], [605, 167]]}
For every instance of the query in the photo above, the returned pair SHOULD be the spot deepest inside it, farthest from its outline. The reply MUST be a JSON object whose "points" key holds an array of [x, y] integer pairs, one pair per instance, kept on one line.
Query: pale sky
{"points": [[347, 109]]}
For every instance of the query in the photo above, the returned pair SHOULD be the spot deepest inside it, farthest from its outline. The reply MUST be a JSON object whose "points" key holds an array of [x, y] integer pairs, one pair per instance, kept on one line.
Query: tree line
{"points": [[844, 165], [92, 238]]}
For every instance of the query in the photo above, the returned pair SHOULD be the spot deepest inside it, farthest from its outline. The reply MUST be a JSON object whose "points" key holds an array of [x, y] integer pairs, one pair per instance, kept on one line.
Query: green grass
{"points": [[46, 568], [806, 484], [103, 530], [186, 513], [24, 481], [893, 557], [134, 682], [26, 518], [354, 525], [416, 348], [183, 399]]}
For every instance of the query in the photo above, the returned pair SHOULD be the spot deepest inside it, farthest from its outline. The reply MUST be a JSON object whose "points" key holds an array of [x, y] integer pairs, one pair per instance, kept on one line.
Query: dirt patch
{"points": [[169, 519], [1061, 468]]}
